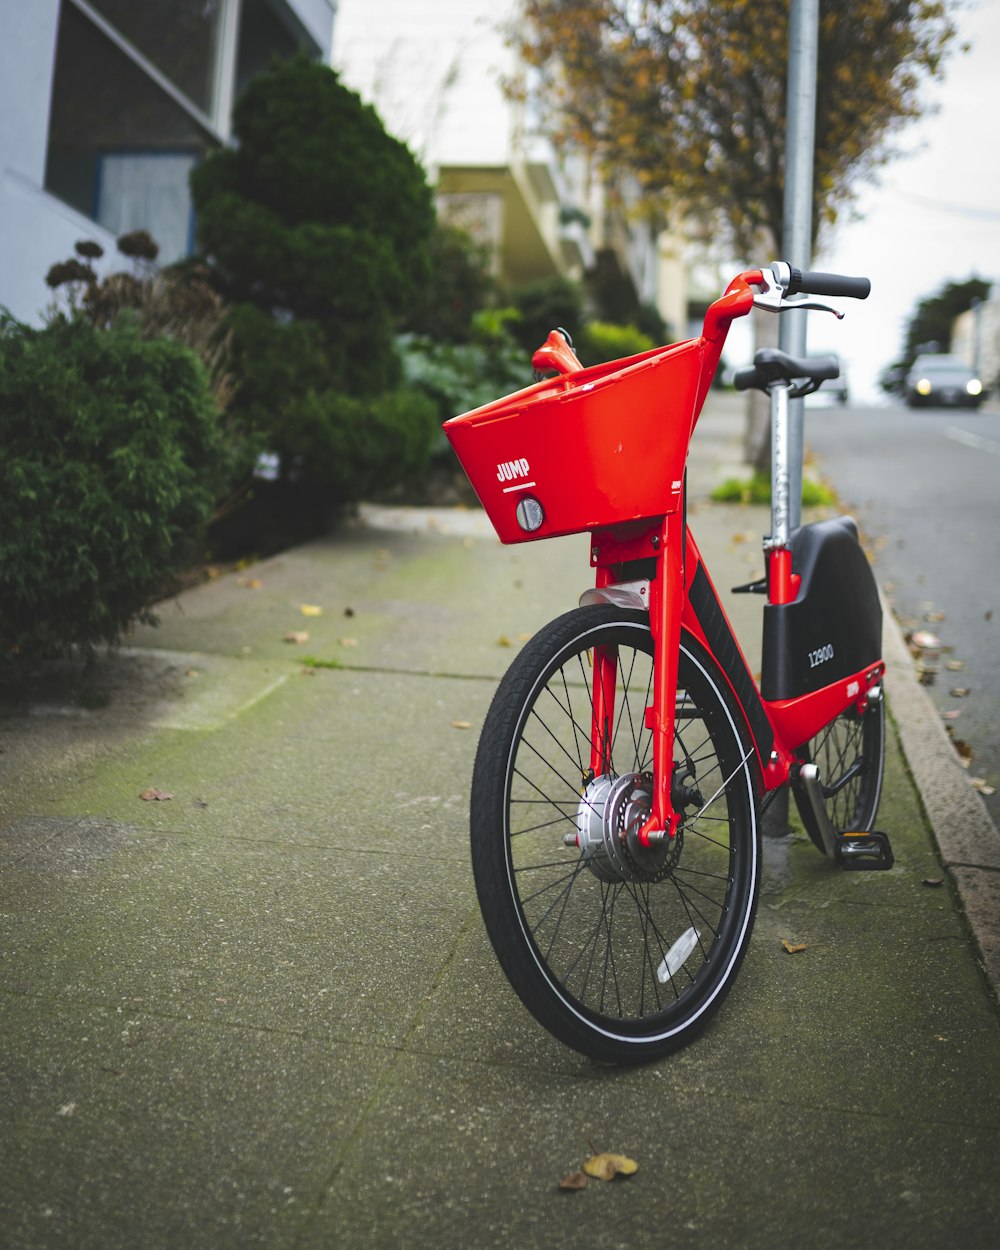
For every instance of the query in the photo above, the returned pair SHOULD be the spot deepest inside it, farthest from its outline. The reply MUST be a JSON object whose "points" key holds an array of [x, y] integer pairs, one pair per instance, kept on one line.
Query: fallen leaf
{"points": [[461, 724], [311, 609], [953, 714], [960, 692], [934, 617], [925, 640], [983, 786], [605, 1167], [964, 751], [152, 795], [793, 948], [954, 665], [249, 583], [934, 882], [348, 642], [503, 641], [574, 1180], [298, 636]]}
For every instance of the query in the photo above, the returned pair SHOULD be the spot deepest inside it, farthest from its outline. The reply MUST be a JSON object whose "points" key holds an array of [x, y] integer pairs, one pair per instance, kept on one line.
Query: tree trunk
{"points": [[757, 439]]}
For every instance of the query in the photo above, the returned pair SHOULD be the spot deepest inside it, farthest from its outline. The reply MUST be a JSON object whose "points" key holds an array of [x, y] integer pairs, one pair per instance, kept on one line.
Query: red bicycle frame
{"points": [[604, 450]]}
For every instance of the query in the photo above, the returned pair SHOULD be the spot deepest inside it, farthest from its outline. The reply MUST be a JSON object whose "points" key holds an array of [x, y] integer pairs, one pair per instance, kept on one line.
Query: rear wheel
{"points": [[621, 951], [850, 755]]}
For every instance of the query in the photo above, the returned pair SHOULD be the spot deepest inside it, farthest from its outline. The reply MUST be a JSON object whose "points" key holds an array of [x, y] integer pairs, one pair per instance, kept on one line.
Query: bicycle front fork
{"points": [[666, 594]]}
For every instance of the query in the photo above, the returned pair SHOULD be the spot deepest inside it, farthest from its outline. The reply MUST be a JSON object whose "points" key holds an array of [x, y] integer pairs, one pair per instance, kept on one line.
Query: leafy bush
{"points": [[460, 284], [461, 376], [757, 489], [543, 306], [601, 341], [317, 227], [112, 455]]}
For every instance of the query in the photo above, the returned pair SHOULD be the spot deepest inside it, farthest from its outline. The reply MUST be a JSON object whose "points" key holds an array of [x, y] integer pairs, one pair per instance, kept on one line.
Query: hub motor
{"points": [[611, 813]]}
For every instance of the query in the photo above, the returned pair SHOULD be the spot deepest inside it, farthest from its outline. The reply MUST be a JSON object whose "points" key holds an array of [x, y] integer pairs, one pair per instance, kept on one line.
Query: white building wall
{"points": [[36, 228]]}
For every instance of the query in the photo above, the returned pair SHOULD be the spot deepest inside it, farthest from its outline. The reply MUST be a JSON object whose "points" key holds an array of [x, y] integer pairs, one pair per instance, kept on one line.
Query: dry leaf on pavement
{"points": [[461, 724], [311, 609], [605, 1167], [152, 795], [574, 1180], [298, 636], [793, 948], [964, 751]]}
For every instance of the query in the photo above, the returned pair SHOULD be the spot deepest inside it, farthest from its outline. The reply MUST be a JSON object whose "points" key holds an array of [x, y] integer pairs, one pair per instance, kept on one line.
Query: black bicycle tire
{"points": [[604, 1037]]}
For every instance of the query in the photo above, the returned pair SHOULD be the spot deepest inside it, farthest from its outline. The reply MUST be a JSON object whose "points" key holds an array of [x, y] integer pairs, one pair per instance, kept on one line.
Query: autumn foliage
{"points": [[690, 96]]}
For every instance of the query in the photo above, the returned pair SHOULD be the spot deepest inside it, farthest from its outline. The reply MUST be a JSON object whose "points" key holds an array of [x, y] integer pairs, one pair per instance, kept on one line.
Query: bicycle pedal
{"points": [[864, 852]]}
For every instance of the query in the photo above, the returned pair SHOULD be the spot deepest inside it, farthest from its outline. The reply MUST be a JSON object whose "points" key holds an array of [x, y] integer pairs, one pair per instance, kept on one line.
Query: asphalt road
{"points": [[925, 488]]}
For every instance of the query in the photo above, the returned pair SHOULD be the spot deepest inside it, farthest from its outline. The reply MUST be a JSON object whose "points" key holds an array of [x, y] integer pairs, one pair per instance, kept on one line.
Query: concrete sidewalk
{"points": [[264, 1011]]}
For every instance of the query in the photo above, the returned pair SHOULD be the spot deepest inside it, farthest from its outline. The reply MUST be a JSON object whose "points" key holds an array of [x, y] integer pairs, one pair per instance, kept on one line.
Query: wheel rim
{"points": [[637, 946], [848, 753]]}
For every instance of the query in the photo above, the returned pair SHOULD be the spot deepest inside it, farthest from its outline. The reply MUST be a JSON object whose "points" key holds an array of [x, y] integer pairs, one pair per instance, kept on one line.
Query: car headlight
{"points": [[974, 386], [923, 387]]}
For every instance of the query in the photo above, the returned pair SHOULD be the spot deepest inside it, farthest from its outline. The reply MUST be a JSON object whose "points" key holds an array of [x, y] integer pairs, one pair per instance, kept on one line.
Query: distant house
{"points": [[975, 336], [435, 71], [104, 107]]}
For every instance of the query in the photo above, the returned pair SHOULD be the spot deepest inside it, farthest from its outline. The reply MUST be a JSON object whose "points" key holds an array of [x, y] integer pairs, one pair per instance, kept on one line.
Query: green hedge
{"points": [[111, 457]]}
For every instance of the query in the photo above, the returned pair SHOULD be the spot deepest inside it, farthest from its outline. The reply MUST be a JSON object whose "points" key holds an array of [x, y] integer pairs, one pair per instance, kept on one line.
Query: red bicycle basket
{"points": [[599, 447]]}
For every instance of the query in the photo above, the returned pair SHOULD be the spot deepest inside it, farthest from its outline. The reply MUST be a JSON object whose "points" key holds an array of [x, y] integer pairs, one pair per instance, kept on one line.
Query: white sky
{"points": [[935, 217]]}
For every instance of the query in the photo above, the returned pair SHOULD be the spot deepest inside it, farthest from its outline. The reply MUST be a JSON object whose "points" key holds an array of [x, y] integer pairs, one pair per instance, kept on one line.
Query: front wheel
{"points": [[622, 951]]}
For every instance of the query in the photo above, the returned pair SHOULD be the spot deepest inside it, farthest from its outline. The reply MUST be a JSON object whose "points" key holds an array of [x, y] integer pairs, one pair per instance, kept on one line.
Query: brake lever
{"points": [[809, 305], [774, 280]]}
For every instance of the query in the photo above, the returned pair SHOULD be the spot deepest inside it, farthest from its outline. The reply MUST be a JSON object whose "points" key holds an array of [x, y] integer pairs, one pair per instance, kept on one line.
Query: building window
{"points": [[111, 130], [180, 37], [137, 93], [267, 35]]}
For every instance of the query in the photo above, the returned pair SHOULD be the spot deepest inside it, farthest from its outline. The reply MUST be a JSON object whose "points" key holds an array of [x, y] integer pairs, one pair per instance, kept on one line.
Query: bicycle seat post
{"points": [[781, 582], [780, 466]]}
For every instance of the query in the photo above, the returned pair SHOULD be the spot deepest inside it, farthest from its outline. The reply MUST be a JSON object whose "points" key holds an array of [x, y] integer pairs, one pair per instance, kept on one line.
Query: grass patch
{"points": [[757, 489]]}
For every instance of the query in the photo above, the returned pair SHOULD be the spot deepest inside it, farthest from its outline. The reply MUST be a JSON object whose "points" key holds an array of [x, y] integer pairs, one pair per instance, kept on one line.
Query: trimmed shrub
{"points": [[112, 457], [317, 227], [601, 341]]}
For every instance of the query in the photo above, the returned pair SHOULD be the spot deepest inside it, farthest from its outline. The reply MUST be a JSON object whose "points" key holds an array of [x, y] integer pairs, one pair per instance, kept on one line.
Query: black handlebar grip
{"points": [[828, 284]]}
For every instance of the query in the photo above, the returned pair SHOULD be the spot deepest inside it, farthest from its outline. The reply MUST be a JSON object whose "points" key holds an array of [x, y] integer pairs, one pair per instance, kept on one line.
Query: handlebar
{"points": [[809, 283]]}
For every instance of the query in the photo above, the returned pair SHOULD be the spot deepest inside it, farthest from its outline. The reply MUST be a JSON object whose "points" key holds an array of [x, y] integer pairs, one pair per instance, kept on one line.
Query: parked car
{"points": [[942, 381]]}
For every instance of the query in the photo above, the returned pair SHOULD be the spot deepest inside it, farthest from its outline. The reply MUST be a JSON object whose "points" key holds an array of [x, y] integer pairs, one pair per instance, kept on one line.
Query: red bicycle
{"points": [[628, 752]]}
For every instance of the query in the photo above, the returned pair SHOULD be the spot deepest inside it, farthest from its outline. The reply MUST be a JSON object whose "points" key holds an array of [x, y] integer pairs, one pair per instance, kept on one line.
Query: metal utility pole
{"points": [[796, 245], [796, 248]]}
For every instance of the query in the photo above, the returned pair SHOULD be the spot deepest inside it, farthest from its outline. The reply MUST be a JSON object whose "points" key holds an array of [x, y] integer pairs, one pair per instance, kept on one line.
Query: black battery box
{"points": [[833, 627]]}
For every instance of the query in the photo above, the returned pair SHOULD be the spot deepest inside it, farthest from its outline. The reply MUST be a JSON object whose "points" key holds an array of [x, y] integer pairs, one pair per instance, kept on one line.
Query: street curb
{"points": [[966, 836]]}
